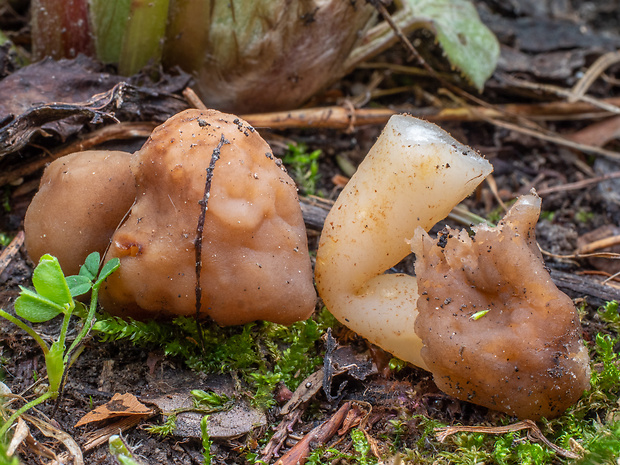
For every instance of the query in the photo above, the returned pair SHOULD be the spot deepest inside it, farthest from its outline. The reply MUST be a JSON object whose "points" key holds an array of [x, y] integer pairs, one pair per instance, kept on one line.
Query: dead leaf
{"points": [[52, 432], [304, 392], [20, 434], [235, 421], [121, 405], [59, 98], [598, 134]]}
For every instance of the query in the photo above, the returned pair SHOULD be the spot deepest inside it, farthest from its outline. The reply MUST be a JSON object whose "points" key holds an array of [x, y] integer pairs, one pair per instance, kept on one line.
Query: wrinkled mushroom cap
{"points": [[255, 262], [524, 356], [82, 199]]}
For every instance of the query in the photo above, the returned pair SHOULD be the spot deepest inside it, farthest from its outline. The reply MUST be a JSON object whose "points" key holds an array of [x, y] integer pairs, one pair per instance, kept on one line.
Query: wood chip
{"points": [[315, 438], [95, 438]]}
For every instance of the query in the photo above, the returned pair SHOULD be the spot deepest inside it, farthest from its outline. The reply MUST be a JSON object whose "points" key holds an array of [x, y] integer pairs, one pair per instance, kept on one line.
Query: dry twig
{"points": [[533, 433], [319, 435], [578, 184], [592, 74], [11, 250]]}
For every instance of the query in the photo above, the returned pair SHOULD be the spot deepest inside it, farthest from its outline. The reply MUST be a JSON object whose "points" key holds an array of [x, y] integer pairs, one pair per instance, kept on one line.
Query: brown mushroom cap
{"points": [[82, 199], [255, 262], [524, 356]]}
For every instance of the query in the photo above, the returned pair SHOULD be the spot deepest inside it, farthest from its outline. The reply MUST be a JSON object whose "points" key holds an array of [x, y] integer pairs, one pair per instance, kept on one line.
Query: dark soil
{"points": [[530, 33]]}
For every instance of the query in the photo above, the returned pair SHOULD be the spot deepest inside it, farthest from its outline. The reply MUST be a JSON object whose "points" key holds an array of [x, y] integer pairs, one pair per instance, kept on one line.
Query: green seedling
{"points": [[53, 295], [121, 452], [584, 216], [206, 440], [5, 239], [166, 428], [304, 166], [210, 400]]}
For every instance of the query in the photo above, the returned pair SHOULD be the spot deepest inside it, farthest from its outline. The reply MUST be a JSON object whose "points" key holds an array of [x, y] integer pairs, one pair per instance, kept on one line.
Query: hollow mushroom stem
{"points": [[482, 314], [412, 177]]}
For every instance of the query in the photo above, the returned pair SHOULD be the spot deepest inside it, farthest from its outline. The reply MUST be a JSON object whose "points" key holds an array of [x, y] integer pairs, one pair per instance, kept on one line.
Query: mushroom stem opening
{"points": [[412, 177]]}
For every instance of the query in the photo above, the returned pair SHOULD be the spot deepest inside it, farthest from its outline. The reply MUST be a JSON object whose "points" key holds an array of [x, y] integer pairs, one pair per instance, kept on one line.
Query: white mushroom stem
{"points": [[413, 176]]}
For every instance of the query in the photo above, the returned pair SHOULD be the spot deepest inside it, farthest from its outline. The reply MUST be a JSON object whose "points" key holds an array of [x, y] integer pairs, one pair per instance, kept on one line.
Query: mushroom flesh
{"points": [[482, 313]]}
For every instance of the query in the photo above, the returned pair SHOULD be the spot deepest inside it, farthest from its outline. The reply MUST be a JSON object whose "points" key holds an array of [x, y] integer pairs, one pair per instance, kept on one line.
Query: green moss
{"points": [[263, 354], [304, 166]]}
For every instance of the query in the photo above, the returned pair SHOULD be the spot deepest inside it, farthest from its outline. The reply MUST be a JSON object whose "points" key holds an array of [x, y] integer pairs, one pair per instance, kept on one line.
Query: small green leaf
{"points": [[109, 268], [79, 284], [50, 282], [91, 266], [36, 308]]}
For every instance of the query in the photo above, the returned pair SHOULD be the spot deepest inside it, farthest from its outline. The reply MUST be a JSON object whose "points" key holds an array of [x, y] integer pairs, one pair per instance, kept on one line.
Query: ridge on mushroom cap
{"points": [[496, 330]]}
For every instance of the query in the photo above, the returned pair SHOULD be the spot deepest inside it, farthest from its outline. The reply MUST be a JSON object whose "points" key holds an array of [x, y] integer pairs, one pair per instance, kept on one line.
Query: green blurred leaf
{"points": [[469, 45], [36, 308], [50, 282], [143, 35]]}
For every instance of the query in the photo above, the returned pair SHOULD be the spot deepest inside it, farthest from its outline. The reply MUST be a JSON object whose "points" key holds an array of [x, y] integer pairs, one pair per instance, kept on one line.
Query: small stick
{"points": [[119, 131], [193, 99], [8, 254], [598, 67], [319, 435], [272, 448], [215, 156], [336, 117], [579, 184], [600, 244], [533, 433]]}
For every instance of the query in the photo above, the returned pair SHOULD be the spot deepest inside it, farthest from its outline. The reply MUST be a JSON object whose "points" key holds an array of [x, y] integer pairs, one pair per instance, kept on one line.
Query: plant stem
{"points": [[109, 19], [28, 329], [88, 322], [144, 35], [60, 28], [23, 409], [65, 326]]}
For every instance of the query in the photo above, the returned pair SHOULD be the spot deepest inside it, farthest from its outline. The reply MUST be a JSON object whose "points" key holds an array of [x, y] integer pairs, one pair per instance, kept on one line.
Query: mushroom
{"points": [[81, 201], [201, 174], [254, 263], [482, 313]]}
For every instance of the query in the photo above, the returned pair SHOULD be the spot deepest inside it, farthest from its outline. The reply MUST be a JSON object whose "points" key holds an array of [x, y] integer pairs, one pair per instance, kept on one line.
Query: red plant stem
{"points": [[61, 29]]}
